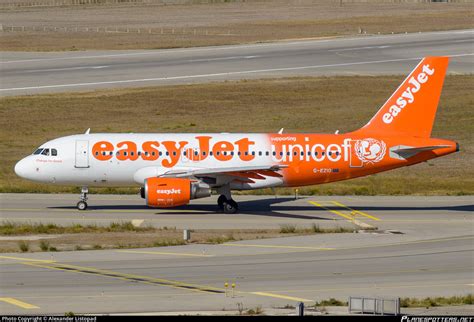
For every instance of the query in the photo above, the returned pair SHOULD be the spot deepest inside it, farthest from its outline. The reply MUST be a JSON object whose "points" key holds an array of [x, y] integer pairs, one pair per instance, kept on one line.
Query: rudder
{"points": [[411, 109]]}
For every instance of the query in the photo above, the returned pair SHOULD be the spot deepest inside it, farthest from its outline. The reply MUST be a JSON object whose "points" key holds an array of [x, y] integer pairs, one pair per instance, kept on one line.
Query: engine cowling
{"points": [[172, 192]]}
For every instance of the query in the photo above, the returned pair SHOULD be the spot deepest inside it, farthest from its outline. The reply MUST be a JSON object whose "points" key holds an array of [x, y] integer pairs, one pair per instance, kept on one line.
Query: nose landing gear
{"points": [[82, 204]]}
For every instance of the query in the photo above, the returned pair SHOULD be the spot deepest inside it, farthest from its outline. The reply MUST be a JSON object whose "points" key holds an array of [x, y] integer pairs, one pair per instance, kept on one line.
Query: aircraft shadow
{"points": [[272, 207]]}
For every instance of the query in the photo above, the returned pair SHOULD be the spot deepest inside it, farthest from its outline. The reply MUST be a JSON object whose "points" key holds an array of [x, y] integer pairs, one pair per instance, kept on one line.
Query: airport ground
{"points": [[152, 26], [423, 247]]}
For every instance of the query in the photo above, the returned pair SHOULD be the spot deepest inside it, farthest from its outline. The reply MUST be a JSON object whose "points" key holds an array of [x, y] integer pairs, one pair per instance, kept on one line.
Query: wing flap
{"points": [[252, 171]]}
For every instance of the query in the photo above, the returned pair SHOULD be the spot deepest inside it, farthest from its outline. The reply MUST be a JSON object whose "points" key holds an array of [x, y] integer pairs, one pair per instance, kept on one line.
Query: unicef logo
{"points": [[370, 150]]}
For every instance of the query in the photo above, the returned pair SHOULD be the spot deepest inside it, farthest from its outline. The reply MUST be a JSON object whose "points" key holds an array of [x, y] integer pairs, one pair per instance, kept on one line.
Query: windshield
{"points": [[38, 151]]}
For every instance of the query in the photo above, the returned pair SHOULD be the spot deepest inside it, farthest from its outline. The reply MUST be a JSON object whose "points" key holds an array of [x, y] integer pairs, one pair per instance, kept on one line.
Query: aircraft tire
{"points": [[82, 205]]}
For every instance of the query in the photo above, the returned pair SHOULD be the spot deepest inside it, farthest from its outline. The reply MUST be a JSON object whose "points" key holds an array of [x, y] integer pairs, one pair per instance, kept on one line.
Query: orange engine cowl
{"points": [[172, 192]]}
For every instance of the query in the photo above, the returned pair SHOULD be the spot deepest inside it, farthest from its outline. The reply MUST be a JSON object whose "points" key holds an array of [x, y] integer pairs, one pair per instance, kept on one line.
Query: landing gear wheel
{"points": [[230, 207], [82, 205], [220, 202]]}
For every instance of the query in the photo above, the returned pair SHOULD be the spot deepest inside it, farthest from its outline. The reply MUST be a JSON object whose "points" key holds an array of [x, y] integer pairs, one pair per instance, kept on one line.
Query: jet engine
{"points": [[172, 192]]}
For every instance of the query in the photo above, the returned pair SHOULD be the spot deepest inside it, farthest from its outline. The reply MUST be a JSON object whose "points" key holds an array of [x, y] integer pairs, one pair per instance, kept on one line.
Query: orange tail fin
{"points": [[411, 109]]}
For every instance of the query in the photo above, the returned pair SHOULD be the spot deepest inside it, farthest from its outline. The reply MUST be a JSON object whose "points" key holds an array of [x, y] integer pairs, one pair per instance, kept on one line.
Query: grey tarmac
{"points": [[32, 73], [423, 247]]}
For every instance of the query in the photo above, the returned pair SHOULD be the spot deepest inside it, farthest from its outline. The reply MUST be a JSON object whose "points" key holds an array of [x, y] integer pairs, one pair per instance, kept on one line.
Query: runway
{"points": [[31, 73], [429, 252]]}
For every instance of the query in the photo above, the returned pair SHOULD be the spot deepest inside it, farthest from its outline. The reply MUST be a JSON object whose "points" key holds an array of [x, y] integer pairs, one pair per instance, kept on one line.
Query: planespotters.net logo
{"points": [[370, 150], [437, 318], [168, 191]]}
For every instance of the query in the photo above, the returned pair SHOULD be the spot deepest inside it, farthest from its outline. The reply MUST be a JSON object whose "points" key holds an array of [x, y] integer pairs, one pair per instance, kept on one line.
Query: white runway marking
{"points": [[360, 48], [63, 69], [234, 47], [128, 81], [222, 58]]}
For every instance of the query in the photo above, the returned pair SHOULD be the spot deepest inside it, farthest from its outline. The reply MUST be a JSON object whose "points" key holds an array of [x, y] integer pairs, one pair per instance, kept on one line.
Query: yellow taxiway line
{"points": [[277, 246], [163, 253], [355, 211], [331, 210], [127, 277], [279, 296], [19, 303], [27, 259]]}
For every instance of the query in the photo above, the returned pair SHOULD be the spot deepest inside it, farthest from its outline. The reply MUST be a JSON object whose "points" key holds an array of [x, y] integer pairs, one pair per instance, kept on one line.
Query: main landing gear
{"points": [[82, 204], [225, 201], [228, 206]]}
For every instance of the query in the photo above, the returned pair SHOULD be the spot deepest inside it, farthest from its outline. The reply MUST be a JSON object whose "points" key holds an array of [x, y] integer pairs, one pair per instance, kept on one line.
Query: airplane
{"points": [[172, 169]]}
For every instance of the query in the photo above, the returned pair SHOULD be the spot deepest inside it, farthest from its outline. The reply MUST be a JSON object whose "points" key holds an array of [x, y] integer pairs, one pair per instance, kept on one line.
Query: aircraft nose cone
{"points": [[21, 169]]}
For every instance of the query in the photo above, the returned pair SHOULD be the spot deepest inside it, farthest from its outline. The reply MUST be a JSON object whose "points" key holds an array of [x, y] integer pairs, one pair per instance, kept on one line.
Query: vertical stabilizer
{"points": [[411, 109]]}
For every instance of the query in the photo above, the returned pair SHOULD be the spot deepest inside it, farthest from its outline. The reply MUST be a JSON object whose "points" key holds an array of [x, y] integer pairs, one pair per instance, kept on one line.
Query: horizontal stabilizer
{"points": [[405, 152]]}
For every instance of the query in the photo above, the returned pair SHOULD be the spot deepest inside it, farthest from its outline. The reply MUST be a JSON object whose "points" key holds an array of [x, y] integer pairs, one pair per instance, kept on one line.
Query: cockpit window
{"points": [[38, 151], [45, 152], [54, 152]]}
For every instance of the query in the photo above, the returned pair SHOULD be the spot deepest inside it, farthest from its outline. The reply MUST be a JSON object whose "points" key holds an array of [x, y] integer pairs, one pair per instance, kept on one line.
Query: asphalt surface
{"points": [[30, 73], [430, 254]]}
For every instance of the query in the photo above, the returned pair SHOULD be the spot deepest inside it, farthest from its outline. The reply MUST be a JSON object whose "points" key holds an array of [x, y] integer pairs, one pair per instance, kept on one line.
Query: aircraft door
{"points": [[82, 154], [355, 161]]}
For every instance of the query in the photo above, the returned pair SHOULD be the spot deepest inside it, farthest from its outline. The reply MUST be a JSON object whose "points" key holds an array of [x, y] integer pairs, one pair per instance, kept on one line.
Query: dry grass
{"points": [[297, 104], [437, 301], [124, 235], [250, 21]]}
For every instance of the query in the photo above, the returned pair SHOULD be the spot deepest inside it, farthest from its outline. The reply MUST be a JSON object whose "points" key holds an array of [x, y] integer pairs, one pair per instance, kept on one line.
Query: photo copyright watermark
{"points": [[437, 318], [49, 319]]}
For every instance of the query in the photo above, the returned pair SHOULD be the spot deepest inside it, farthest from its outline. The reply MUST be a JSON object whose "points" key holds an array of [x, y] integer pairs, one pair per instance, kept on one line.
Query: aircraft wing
{"points": [[250, 171]]}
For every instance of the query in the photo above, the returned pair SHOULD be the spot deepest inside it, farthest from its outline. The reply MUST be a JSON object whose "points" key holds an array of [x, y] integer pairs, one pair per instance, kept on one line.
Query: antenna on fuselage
{"points": [[88, 131], [337, 132], [281, 131]]}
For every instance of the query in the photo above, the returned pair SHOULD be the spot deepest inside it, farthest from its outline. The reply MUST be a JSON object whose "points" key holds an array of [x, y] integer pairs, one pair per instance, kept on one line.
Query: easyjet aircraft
{"points": [[172, 169]]}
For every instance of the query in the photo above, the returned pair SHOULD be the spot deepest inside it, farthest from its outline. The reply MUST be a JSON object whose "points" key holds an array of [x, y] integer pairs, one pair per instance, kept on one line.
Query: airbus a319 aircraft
{"points": [[173, 169]]}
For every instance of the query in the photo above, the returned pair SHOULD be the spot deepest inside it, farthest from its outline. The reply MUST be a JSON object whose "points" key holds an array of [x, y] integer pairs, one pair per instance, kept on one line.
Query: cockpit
{"points": [[46, 152]]}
